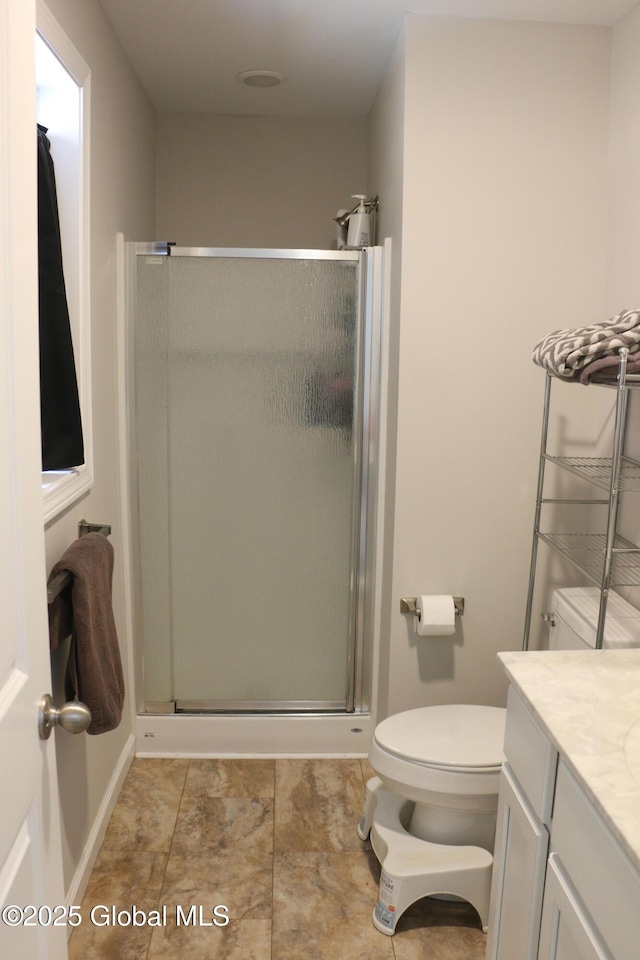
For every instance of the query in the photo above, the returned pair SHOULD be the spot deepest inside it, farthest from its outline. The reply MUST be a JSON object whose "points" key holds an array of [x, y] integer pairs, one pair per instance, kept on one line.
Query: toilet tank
{"points": [[575, 620]]}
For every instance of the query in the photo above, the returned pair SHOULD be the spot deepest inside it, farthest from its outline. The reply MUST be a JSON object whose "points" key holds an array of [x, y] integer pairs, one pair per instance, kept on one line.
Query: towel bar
{"points": [[85, 527], [58, 583]]}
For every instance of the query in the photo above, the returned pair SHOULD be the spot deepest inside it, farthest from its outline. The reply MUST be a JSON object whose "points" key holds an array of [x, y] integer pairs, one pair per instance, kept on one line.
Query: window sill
{"points": [[61, 488]]}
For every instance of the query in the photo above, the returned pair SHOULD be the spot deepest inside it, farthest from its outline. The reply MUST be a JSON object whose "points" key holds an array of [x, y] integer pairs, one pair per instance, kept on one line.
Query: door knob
{"points": [[74, 717]]}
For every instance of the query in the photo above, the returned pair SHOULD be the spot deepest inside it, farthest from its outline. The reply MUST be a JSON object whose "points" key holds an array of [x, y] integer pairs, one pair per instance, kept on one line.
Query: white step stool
{"points": [[414, 868]]}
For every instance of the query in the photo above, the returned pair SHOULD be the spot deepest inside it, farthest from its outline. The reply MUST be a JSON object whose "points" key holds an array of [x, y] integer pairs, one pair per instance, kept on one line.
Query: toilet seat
{"points": [[453, 750], [458, 737]]}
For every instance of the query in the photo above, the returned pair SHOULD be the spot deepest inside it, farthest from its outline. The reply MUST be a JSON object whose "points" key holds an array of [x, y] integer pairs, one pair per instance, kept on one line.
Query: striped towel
{"points": [[566, 353]]}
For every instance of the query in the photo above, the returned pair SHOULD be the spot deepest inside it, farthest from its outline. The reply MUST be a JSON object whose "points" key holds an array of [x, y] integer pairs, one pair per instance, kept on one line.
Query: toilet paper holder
{"points": [[408, 605]]}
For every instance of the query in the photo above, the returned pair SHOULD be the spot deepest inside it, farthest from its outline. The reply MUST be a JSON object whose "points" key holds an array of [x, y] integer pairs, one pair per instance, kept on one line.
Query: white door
{"points": [[30, 856]]}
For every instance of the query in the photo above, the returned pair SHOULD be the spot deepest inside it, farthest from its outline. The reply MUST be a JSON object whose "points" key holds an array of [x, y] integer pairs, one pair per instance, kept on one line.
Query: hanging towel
{"points": [[61, 424], [84, 609], [566, 353]]}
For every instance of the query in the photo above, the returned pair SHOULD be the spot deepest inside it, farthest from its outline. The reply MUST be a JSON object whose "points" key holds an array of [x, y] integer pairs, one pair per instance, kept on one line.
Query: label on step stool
{"points": [[385, 907]]}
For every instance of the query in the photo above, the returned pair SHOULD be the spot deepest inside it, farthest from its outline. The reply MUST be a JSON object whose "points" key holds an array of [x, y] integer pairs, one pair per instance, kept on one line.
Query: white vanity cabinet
{"points": [[567, 933], [522, 837], [591, 908], [563, 887], [522, 843]]}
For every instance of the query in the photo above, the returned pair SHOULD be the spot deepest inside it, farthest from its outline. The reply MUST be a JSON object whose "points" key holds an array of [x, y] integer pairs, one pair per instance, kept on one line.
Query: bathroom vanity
{"points": [[566, 876]]}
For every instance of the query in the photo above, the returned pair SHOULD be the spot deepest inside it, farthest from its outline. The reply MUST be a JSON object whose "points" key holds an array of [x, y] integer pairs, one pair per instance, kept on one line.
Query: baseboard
{"points": [[96, 836]]}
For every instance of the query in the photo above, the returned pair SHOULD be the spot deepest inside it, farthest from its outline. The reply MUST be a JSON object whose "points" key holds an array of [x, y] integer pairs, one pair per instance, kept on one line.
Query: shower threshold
{"points": [[284, 707], [198, 734]]}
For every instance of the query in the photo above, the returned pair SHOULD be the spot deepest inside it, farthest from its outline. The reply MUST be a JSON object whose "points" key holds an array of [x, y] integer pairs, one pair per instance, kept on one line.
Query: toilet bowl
{"points": [[430, 812], [447, 760]]}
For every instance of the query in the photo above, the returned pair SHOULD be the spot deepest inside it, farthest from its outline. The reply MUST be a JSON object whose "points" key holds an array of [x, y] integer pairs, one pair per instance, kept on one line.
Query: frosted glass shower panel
{"points": [[262, 477]]}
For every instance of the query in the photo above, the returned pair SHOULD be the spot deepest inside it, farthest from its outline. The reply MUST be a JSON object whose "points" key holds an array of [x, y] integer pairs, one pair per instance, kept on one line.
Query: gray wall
{"points": [[238, 181]]}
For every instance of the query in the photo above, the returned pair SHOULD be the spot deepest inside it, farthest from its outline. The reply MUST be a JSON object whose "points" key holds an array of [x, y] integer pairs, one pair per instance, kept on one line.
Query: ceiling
{"points": [[334, 53]]}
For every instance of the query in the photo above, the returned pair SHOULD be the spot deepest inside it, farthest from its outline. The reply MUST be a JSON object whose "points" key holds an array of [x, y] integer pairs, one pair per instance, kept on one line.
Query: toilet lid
{"points": [[454, 735]]}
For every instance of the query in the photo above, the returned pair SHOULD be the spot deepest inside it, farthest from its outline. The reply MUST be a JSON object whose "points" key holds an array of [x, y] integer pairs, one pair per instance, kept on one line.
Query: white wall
{"points": [[386, 147], [623, 276], [238, 181], [503, 239], [623, 273], [122, 199], [386, 166]]}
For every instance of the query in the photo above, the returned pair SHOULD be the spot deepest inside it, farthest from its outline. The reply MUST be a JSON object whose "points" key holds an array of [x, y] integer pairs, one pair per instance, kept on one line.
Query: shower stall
{"points": [[253, 398]]}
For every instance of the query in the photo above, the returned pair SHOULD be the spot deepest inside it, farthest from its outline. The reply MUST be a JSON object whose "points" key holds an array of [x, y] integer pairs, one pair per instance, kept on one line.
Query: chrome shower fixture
{"points": [[370, 205]]}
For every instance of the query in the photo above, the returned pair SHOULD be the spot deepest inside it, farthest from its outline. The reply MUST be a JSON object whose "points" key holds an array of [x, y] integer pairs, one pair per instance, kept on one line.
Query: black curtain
{"points": [[62, 443]]}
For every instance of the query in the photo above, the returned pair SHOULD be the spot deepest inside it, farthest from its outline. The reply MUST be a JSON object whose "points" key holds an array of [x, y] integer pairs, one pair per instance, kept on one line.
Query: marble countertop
{"points": [[589, 704]]}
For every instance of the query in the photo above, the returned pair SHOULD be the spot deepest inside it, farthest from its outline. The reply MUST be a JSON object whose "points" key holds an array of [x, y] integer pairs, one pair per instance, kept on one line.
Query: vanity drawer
{"points": [[603, 877], [531, 755]]}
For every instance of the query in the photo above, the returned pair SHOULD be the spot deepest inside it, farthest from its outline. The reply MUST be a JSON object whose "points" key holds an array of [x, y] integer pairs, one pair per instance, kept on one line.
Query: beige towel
{"points": [[84, 609]]}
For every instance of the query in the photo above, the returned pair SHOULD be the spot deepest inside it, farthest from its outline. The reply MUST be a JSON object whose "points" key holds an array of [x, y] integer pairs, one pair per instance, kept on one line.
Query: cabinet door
{"points": [[567, 932], [520, 858]]}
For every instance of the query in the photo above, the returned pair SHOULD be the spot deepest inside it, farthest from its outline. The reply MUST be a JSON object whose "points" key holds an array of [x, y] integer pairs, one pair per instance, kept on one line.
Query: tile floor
{"points": [[272, 840]]}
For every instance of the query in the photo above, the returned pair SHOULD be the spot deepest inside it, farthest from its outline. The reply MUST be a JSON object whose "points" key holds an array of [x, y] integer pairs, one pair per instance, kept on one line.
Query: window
{"points": [[62, 104]]}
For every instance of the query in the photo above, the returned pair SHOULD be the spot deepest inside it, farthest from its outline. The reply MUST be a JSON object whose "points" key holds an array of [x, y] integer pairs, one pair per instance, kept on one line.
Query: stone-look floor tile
{"points": [[216, 824], [167, 776], [322, 904], [230, 778], [123, 879], [223, 854], [108, 943], [240, 880], [440, 930], [240, 940], [367, 770], [145, 815], [318, 805]]}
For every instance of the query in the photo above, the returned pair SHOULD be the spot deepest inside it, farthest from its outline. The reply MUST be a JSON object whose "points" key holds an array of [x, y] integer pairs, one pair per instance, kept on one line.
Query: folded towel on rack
{"points": [[606, 369], [84, 608], [566, 353]]}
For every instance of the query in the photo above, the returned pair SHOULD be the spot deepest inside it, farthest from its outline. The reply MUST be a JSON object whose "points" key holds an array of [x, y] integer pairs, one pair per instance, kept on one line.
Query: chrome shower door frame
{"points": [[366, 465]]}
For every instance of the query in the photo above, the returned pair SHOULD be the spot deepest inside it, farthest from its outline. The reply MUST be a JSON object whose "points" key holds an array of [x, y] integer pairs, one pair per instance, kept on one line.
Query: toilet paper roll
{"points": [[435, 615]]}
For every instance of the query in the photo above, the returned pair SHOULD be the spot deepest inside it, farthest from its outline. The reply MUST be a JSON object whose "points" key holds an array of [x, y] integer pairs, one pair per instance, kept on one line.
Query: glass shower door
{"points": [[248, 408]]}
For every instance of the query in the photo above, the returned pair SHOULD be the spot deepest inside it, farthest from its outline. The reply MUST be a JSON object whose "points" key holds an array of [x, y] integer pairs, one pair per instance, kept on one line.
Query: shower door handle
{"points": [[73, 716]]}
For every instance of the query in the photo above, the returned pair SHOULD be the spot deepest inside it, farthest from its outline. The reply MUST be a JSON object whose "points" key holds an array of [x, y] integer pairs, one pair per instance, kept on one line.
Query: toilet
{"points": [[574, 619], [430, 811]]}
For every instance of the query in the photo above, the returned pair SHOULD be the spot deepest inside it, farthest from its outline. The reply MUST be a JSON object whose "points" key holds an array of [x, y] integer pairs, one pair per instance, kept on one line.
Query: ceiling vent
{"points": [[260, 78]]}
